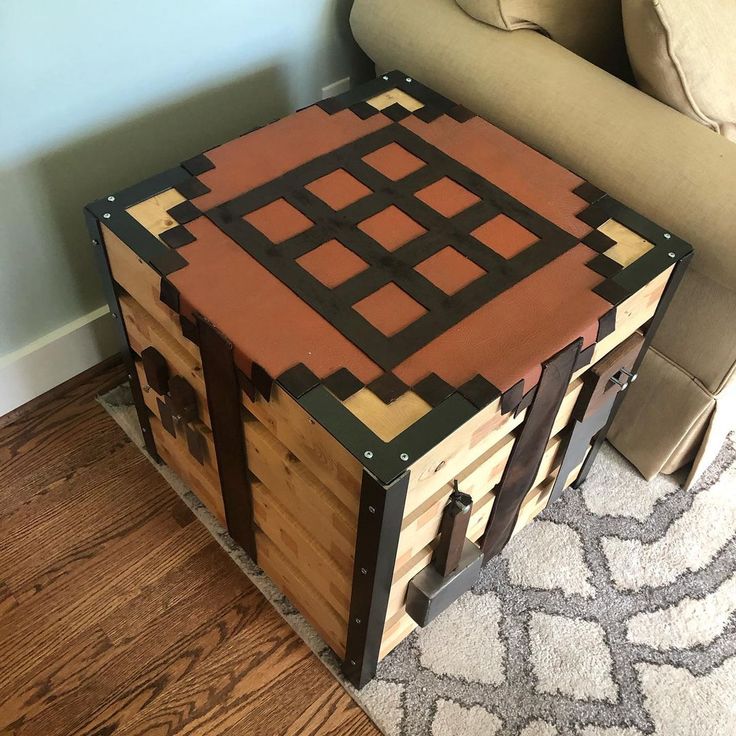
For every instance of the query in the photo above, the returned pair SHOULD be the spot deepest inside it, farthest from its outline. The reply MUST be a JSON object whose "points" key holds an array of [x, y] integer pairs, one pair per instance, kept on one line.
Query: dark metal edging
{"points": [[103, 265], [379, 527], [651, 328]]}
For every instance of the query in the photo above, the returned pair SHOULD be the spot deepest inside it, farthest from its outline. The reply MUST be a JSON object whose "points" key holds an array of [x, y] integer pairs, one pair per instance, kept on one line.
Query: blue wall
{"points": [[96, 96]]}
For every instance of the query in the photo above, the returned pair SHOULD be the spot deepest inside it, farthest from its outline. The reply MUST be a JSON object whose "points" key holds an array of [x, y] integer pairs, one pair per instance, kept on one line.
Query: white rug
{"points": [[612, 614]]}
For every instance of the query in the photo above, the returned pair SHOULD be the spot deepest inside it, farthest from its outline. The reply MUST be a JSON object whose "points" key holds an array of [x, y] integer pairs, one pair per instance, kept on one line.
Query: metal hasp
{"points": [[601, 386], [453, 530], [376, 544], [455, 566]]}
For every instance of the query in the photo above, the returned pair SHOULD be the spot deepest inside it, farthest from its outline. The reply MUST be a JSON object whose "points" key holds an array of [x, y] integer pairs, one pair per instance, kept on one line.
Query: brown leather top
{"points": [[325, 241]]}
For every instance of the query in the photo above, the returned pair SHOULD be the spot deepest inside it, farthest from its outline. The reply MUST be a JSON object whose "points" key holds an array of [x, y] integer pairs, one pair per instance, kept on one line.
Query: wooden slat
{"points": [[144, 285], [144, 331], [198, 477], [319, 451], [331, 578], [636, 311], [295, 486], [448, 458], [312, 605]]}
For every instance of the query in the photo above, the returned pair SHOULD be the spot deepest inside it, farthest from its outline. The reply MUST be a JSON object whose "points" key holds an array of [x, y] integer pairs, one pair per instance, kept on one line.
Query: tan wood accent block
{"points": [[174, 453], [312, 605], [152, 213], [387, 420], [393, 96], [629, 246], [317, 449], [144, 331], [144, 285]]}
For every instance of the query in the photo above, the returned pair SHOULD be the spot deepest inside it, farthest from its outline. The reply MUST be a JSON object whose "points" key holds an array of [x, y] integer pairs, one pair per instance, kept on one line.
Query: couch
{"points": [[577, 103]]}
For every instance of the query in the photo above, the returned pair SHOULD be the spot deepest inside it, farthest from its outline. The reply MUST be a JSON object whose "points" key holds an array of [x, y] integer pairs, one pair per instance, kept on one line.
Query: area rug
{"points": [[612, 614]]}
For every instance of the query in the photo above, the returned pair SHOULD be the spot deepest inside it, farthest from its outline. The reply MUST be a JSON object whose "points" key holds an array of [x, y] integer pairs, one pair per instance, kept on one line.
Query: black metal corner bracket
{"points": [[379, 527], [103, 266]]}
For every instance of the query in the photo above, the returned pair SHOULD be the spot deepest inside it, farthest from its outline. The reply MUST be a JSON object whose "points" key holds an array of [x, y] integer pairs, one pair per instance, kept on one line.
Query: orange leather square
{"points": [[394, 161], [392, 228]]}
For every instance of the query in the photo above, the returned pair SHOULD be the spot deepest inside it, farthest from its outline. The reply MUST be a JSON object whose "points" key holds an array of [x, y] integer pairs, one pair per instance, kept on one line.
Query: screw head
{"points": [[634, 377], [408, 79], [368, 454], [357, 620], [114, 316], [107, 215], [352, 661], [144, 430], [363, 571], [404, 456], [671, 254], [146, 388], [372, 509], [667, 236], [111, 198], [94, 242], [385, 77]]}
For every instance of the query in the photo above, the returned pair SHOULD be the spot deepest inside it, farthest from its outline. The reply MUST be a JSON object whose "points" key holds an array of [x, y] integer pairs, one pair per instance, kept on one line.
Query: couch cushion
{"points": [[684, 54], [591, 28]]}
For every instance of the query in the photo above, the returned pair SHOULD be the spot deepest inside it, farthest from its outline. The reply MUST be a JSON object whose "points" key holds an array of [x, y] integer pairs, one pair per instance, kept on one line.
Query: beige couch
{"points": [[654, 159]]}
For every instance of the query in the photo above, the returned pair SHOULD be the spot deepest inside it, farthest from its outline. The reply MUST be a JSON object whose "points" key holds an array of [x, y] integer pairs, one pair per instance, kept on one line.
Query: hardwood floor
{"points": [[119, 613]]}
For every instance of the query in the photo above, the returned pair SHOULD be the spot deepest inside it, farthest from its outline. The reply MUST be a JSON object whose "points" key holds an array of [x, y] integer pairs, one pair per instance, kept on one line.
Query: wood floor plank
{"points": [[332, 714], [119, 613]]}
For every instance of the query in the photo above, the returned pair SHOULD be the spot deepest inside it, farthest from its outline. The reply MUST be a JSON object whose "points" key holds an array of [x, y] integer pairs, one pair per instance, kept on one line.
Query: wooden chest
{"points": [[376, 338]]}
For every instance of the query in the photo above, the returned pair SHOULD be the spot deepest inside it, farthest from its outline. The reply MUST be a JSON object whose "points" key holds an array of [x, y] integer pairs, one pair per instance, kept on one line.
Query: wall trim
{"points": [[56, 357]]}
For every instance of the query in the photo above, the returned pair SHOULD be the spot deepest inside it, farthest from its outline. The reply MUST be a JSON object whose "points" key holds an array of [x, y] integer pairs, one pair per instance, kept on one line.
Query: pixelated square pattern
{"points": [[391, 240]]}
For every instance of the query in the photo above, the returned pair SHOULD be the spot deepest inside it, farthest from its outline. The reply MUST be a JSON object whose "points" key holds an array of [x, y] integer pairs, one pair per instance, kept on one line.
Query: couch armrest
{"points": [[654, 159]]}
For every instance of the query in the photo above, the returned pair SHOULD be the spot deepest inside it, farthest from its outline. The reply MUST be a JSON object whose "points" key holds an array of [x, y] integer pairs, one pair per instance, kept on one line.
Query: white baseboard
{"points": [[56, 357]]}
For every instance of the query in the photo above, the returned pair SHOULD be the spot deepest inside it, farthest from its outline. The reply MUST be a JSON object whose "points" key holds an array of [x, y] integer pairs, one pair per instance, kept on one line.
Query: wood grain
{"points": [[120, 614]]}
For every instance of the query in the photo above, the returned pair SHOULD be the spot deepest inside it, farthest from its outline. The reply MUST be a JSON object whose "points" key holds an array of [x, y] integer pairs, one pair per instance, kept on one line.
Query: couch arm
{"points": [[654, 159]]}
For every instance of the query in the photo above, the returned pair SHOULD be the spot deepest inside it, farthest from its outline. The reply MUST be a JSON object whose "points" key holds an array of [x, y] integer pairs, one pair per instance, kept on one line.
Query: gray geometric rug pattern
{"points": [[612, 614]]}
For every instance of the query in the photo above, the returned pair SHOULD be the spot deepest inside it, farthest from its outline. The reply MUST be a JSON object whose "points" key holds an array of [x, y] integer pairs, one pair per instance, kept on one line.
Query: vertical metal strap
{"points": [[223, 400], [526, 455], [103, 266], [651, 329], [577, 443], [379, 527]]}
